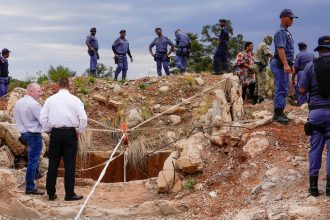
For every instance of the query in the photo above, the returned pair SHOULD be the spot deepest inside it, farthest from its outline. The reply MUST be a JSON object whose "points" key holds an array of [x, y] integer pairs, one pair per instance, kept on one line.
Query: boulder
{"points": [[175, 119], [6, 157], [236, 100], [261, 114], [10, 135], [14, 96], [163, 89], [170, 137], [256, 146], [190, 160], [221, 106], [5, 117], [134, 118], [168, 176], [175, 110], [116, 89], [200, 81], [8, 181], [114, 104], [252, 214], [226, 139], [303, 212], [100, 98], [156, 107]]}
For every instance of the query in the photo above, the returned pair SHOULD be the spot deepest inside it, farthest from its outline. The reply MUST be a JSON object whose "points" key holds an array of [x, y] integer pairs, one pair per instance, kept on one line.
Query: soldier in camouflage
{"points": [[262, 55]]}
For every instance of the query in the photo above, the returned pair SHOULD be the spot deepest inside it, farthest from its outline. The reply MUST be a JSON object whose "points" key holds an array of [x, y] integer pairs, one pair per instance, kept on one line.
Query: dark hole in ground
{"points": [[115, 172]]}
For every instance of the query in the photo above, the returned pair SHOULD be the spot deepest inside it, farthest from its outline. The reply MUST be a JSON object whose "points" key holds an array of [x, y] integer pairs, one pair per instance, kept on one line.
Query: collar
{"points": [[63, 91], [283, 28]]}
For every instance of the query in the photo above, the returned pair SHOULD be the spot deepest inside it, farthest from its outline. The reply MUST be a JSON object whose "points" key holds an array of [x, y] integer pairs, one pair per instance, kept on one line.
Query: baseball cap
{"points": [[323, 41], [287, 13]]}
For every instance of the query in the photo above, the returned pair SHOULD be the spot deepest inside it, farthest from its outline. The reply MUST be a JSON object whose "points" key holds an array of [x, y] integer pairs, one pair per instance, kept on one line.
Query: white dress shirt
{"points": [[63, 110], [26, 115]]}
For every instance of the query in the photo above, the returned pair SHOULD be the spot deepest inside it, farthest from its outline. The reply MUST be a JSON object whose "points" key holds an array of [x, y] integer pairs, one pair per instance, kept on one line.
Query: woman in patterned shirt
{"points": [[245, 72]]}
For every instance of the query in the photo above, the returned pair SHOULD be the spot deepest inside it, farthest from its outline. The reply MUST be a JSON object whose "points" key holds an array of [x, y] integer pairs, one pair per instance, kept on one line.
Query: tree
{"points": [[54, 74], [210, 35], [102, 71]]}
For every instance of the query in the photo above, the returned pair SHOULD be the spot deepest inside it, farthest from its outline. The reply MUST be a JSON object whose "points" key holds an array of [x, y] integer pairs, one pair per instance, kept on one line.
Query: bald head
{"points": [[34, 90]]}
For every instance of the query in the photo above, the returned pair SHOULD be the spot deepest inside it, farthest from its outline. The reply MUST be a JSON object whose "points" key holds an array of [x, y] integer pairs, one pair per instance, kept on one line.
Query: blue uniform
{"points": [[4, 79], [220, 58], [93, 42], [282, 39], [300, 62], [183, 44], [121, 47], [319, 117], [161, 57]]}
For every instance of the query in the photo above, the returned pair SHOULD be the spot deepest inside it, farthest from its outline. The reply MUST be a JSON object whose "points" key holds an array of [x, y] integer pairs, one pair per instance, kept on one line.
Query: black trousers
{"points": [[63, 143], [251, 88]]}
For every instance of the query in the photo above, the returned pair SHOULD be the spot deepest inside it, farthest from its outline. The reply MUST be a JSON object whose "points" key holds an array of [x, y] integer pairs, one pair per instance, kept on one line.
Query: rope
{"points": [[99, 179]]}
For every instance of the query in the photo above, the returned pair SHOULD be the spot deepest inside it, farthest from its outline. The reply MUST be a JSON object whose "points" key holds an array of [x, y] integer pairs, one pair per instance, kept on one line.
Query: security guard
{"points": [[161, 56], [120, 48], [183, 43], [302, 58], [220, 58], [4, 79], [93, 47], [282, 65], [315, 78]]}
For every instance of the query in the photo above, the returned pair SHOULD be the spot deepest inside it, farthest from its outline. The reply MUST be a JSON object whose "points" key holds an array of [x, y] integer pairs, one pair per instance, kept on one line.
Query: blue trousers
{"points": [[3, 85], [162, 59], [122, 66], [281, 85], [34, 141], [320, 117], [93, 62], [181, 62], [220, 60], [301, 98]]}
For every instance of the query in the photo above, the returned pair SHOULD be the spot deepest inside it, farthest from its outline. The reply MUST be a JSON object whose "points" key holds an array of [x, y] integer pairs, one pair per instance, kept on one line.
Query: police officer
{"points": [[261, 58], [4, 71], [282, 65], [302, 58], [120, 48], [161, 56], [315, 78], [220, 58], [183, 44], [93, 47]]}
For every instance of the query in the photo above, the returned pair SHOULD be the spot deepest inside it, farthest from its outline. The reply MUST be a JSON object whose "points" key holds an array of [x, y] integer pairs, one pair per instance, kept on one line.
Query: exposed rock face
{"points": [[199, 81], [256, 146], [175, 119], [15, 95], [10, 136], [190, 160], [252, 214], [6, 157], [100, 98], [303, 212], [134, 118], [221, 106], [168, 177], [114, 104], [226, 139]]}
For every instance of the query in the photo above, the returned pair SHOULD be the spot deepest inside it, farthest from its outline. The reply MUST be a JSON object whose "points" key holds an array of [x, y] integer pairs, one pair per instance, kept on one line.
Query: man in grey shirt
{"points": [[26, 115]]}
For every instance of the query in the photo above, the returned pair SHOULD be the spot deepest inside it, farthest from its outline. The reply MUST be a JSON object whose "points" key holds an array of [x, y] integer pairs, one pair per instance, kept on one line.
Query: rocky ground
{"points": [[235, 164]]}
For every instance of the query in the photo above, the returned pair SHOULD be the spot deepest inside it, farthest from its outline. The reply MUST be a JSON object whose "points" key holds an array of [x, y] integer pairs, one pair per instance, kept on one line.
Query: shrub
{"points": [[42, 78], [189, 184], [60, 71], [91, 79]]}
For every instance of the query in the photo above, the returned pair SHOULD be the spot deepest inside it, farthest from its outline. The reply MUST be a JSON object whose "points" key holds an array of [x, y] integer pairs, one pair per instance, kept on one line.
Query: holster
{"points": [[309, 128]]}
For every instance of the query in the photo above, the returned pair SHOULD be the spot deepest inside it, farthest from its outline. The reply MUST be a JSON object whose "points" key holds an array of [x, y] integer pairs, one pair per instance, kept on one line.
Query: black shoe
{"points": [[313, 190], [278, 116], [254, 100], [35, 192], [327, 191], [52, 197], [74, 197]]}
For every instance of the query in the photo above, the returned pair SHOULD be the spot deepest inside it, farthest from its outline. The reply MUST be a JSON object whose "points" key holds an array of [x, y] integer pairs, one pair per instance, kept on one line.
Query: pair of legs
{"points": [[220, 60], [34, 142], [162, 60], [261, 80], [63, 144], [122, 66], [181, 63], [4, 82], [93, 63], [301, 98], [251, 88]]}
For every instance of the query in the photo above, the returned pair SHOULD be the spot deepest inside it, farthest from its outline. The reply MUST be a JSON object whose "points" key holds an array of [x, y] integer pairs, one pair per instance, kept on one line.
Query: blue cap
{"points": [[324, 41], [122, 31], [5, 50], [302, 44], [287, 13]]}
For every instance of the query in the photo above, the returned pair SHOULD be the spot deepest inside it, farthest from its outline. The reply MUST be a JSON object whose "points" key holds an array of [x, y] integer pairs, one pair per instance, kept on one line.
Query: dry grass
{"points": [[84, 143], [136, 151]]}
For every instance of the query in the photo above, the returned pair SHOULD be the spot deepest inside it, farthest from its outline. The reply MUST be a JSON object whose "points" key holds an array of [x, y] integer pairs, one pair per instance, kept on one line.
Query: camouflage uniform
{"points": [[262, 55]]}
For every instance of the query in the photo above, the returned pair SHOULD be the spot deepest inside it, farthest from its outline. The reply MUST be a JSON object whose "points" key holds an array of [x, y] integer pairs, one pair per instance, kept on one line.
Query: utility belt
{"points": [[279, 61], [313, 107], [64, 129], [309, 128], [160, 55]]}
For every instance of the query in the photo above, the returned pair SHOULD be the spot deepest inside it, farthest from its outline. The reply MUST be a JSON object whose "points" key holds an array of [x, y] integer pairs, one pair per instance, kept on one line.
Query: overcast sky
{"points": [[41, 33]]}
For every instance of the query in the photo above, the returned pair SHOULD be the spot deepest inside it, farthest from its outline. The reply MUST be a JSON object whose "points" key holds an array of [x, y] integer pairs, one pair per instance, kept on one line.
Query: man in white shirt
{"points": [[64, 117], [26, 115]]}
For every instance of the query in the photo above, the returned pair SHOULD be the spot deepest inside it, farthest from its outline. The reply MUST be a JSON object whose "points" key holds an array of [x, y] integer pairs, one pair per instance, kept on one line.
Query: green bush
{"points": [[59, 72], [18, 83], [91, 79], [42, 78], [189, 184]]}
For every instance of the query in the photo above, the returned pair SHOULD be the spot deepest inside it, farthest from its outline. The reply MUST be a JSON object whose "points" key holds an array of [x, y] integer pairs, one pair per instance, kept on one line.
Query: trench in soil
{"points": [[153, 164]]}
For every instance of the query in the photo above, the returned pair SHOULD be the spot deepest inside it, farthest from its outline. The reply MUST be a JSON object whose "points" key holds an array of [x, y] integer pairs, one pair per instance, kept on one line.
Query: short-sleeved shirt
{"points": [[242, 72], [121, 46], [92, 40], [182, 39], [302, 59], [262, 53], [4, 71], [283, 39], [161, 44], [308, 80]]}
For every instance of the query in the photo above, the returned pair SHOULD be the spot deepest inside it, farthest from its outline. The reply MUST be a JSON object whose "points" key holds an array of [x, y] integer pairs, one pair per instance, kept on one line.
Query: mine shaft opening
{"points": [[151, 166]]}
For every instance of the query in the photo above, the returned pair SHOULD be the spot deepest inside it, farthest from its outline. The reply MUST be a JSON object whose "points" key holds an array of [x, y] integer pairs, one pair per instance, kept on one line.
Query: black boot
{"points": [[278, 116], [327, 191], [255, 100], [313, 190]]}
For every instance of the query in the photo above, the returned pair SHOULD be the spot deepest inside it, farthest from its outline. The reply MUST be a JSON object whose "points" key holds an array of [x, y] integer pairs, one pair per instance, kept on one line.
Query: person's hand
{"points": [[287, 69], [78, 135], [131, 59], [293, 70]]}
